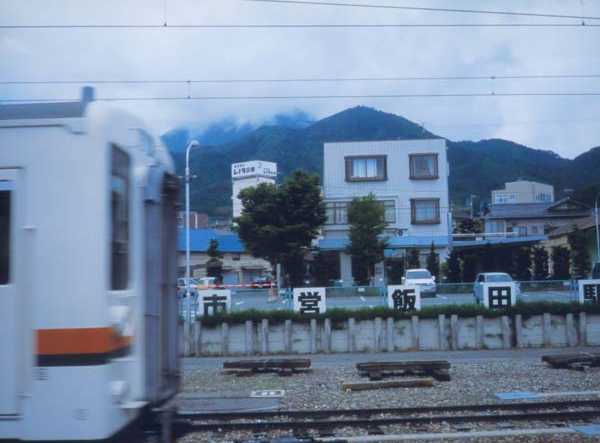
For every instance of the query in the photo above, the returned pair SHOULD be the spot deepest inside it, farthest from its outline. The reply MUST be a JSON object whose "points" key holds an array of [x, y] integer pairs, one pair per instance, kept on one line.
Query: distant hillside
{"points": [[475, 167], [228, 129]]}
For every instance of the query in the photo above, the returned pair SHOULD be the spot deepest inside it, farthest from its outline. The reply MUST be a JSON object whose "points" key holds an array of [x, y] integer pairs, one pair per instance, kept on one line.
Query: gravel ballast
{"points": [[471, 383]]}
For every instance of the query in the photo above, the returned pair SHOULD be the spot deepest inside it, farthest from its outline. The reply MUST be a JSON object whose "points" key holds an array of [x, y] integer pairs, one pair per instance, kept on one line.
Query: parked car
{"points": [[491, 277], [263, 282], [423, 279], [206, 282], [181, 286]]}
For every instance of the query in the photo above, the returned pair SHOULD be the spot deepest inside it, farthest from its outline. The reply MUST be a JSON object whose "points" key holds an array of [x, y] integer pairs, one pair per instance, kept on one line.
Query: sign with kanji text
{"points": [[589, 291], [404, 297], [309, 300], [499, 295], [214, 301]]}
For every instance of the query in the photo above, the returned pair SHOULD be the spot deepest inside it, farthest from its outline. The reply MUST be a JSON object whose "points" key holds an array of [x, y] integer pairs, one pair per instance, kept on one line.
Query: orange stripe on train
{"points": [[79, 341]]}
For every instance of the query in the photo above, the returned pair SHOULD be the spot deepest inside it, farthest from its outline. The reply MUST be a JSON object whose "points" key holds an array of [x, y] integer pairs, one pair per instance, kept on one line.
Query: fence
{"points": [[244, 298], [388, 334]]}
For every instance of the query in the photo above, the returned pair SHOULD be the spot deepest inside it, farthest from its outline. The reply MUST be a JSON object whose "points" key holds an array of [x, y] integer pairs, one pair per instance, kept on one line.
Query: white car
{"points": [[423, 279], [181, 286], [491, 277]]}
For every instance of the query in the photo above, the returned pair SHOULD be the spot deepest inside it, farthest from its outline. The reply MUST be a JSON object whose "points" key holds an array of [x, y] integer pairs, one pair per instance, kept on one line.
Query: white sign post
{"points": [[404, 297], [589, 291], [309, 300], [499, 295], [214, 301]]}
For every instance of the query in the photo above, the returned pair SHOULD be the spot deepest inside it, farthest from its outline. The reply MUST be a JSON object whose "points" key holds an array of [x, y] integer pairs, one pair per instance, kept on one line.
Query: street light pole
{"points": [[191, 145], [596, 220]]}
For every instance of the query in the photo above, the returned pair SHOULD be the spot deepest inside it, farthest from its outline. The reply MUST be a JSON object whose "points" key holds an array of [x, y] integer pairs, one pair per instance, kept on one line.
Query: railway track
{"points": [[325, 422]]}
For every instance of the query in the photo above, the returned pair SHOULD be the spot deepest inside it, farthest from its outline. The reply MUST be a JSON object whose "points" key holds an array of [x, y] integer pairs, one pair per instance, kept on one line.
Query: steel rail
{"points": [[375, 411], [190, 426]]}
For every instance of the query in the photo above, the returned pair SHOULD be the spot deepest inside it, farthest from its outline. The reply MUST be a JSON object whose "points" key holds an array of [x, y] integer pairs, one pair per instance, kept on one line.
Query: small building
{"points": [[533, 219], [408, 177], [559, 237], [248, 174], [523, 191], [197, 220], [239, 266]]}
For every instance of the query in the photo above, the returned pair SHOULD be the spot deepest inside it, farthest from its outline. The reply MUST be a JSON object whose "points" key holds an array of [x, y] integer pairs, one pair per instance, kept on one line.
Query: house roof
{"points": [[394, 242], [200, 240], [42, 110], [565, 207], [581, 223]]}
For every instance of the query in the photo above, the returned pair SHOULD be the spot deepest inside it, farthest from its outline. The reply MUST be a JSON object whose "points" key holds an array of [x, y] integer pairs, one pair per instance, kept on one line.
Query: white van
{"points": [[423, 279]]}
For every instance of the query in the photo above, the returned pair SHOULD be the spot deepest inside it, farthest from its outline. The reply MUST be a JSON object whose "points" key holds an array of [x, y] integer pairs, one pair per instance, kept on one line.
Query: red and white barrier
{"points": [[245, 285]]}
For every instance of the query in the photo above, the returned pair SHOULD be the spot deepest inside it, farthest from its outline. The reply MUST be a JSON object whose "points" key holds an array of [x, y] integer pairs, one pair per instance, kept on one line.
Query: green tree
{"points": [[580, 256], [214, 266], [487, 258], [469, 226], [367, 223], [522, 264], [280, 223], [412, 259], [395, 270], [561, 256], [540, 263], [469, 268], [321, 270], [453, 267], [433, 262]]}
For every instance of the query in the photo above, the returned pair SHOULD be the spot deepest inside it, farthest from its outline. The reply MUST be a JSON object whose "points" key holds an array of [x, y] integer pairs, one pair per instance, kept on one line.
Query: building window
{"points": [[512, 197], [500, 198], [389, 206], [337, 213], [534, 230], [496, 226], [543, 197], [5, 215], [423, 166], [363, 168], [425, 211], [235, 256], [119, 234]]}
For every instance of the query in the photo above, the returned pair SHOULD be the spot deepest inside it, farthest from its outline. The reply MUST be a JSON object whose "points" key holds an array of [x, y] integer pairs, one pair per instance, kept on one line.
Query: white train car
{"points": [[88, 238]]}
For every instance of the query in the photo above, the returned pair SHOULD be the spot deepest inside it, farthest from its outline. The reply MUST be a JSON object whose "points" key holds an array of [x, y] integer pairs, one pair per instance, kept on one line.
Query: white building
{"points": [[523, 191], [409, 177], [247, 174]]}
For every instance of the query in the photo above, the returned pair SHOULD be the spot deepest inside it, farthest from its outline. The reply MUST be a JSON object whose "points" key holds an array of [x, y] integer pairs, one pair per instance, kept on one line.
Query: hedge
{"points": [[338, 315]]}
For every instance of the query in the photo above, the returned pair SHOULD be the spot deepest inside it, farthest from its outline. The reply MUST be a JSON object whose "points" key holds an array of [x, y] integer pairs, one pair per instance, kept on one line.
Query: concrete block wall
{"points": [[387, 334]]}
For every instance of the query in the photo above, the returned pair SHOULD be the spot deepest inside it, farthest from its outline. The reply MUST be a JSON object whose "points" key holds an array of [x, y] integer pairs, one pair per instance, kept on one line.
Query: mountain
{"points": [[229, 129], [475, 167]]}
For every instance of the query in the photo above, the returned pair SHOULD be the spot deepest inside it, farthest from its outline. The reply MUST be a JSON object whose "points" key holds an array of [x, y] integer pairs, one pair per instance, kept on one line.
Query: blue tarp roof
{"points": [[200, 240], [532, 239], [394, 242]]}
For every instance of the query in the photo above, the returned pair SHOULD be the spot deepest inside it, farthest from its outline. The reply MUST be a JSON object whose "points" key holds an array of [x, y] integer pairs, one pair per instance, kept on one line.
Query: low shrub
{"points": [[340, 316]]}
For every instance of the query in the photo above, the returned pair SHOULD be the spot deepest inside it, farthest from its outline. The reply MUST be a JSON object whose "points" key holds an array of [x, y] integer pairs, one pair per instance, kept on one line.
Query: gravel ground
{"points": [[470, 383]]}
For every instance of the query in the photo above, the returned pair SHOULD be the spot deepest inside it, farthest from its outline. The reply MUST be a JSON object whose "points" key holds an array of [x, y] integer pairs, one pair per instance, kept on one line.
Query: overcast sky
{"points": [[567, 125]]}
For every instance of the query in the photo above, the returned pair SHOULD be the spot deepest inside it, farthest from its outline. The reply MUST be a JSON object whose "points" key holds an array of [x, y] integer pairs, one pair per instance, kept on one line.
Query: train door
{"points": [[161, 316], [9, 248]]}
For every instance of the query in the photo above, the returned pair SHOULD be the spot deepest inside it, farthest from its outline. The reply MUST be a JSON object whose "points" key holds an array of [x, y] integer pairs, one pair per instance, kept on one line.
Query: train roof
{"points": [[34, 111], [73, 114]]}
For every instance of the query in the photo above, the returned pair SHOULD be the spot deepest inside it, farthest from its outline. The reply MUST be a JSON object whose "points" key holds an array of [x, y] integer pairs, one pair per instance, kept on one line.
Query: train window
{"points": [[4, 235], [119, 189]]}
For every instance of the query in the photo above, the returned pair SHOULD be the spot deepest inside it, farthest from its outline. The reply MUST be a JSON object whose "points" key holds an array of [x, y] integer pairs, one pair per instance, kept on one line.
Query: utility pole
{"points": [[192, 144]]}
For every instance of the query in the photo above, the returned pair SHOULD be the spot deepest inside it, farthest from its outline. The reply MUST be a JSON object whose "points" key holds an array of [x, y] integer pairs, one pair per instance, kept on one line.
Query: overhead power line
{"points": [[302, 80], [293, 97], [420, 8], [303, 26]]}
